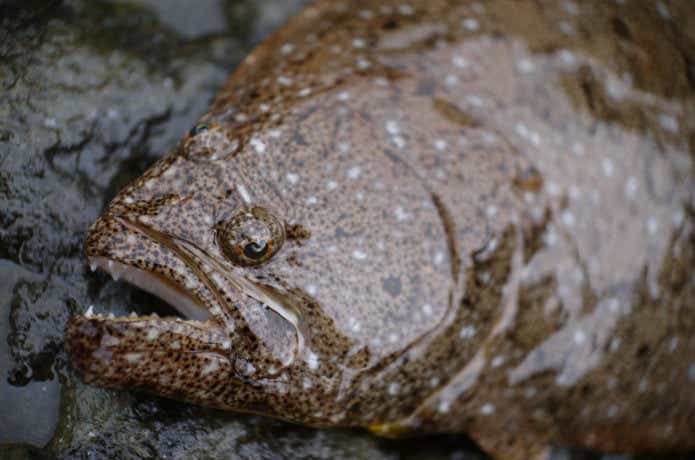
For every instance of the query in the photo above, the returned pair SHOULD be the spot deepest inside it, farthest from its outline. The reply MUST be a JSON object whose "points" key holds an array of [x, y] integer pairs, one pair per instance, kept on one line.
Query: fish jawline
{"points": [[174, 295]]}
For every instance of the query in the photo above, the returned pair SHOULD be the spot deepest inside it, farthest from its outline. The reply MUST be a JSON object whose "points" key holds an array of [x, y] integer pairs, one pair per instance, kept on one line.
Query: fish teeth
{"points": [[111, 316], [90, 311], [93, 266], [115, 276], [133, 314]]}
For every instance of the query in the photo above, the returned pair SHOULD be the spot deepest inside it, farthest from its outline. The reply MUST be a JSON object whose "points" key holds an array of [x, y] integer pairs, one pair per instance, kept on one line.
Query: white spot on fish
{"points": [[467, 332], [363, 64], [451, 80], [607, 167], [459, 61], [227, 344], [312, 200], [257, 145], [553, 189], [210, 367], [427, 309], [394, 388], [292, 178], [355, 325], [470, 24], [133, 357], [359, 255], [525, 66], [531, 136], [304, 92], [487, 409], [312, 360], [284, 81], [440, 144], [497, 361], [568, 219], [109, 341], [354, 172], [444, 406], [152, 333], [287, 48], [311, 289], [405, 9], [306, 383], [400, 214], [392, 127], [343, 96], [331, 185], [243, 193], [358, 43], [669, 123], [475, 100], [579, 337], [652, 225]]}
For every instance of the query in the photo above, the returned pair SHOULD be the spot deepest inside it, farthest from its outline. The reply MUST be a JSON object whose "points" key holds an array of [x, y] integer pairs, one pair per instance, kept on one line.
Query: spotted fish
{"points": [[431, 216]]}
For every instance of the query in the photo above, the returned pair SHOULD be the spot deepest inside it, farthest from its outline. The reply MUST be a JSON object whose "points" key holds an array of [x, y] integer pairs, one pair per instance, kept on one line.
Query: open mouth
{"points": [[155, 284]]}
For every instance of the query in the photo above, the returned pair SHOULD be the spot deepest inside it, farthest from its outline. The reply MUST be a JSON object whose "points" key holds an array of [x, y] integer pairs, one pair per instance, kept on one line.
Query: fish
{"points": [[427, 217]]}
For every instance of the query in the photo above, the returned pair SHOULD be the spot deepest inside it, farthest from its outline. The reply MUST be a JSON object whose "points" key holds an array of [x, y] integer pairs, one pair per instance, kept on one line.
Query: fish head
{"points": [[298, 275]]}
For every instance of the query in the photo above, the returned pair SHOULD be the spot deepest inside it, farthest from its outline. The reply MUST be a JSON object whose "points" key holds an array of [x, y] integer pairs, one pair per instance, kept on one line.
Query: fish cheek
{"points": [[269, 342]]}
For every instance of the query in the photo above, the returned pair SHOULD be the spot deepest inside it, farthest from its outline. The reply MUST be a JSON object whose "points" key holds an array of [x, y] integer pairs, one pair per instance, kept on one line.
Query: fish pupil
{"points": [[199, 128], [256, 250]]}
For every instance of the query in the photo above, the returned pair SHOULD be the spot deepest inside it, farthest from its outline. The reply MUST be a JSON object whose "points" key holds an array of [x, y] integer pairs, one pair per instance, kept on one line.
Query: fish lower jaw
{"points": [[90, 313], [152, 283]]}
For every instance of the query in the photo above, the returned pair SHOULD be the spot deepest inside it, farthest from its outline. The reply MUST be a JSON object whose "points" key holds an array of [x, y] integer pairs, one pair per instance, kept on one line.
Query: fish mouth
{"points": [[110, 246], [175, 295]]}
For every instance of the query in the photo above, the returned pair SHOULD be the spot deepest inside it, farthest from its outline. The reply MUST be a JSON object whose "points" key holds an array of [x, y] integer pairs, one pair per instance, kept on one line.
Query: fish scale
{"points": [[427, 217]]}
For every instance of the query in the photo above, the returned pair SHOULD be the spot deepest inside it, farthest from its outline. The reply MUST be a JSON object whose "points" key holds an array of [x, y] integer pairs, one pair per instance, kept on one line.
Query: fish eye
{"points": [[256, 250], [251, 237], [199, 128]]}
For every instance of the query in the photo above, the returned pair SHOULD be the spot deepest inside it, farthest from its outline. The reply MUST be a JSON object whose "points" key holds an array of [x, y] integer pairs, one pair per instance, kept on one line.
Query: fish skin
{"points": [[487, 227]]}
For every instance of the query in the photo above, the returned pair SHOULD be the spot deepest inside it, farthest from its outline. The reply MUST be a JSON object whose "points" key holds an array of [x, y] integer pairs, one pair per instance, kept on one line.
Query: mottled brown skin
{"points": [[478, 218]]}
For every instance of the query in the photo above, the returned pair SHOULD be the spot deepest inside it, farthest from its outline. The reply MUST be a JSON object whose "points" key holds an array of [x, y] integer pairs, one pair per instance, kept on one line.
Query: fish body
{"points": [[427, 217]]}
